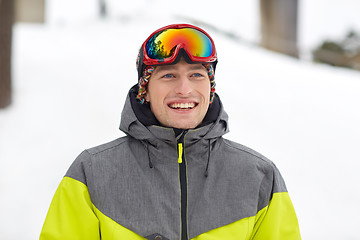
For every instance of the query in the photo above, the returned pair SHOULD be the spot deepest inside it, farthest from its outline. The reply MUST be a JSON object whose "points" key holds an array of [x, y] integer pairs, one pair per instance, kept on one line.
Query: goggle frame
{"points": [[195, 59]]}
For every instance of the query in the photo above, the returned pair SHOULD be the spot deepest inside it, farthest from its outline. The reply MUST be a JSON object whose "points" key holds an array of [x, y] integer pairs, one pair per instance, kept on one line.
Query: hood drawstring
{"points": [[206, 174], [146, 144], [150, 162]]}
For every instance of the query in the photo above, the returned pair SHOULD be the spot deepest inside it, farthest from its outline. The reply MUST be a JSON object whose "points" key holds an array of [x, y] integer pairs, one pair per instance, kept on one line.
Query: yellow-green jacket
{"points": [[158, 183]]}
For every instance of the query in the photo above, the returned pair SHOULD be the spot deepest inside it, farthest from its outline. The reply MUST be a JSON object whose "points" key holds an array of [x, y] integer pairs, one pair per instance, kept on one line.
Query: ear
{"points": [[147, 98]]}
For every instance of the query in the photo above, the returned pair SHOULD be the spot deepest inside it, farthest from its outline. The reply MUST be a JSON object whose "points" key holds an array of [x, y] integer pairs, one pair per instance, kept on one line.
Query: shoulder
{"points": [[254, 162], [113, 145], [247, 152], [103, 153]]}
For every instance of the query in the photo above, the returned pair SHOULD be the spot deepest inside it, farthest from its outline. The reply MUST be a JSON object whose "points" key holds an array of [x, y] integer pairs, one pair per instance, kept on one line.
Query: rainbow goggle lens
{"points": [[163, 46]]}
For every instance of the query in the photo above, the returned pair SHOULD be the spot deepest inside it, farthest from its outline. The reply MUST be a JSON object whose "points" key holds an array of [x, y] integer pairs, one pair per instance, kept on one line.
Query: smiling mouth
{"points": [[183, 106]]}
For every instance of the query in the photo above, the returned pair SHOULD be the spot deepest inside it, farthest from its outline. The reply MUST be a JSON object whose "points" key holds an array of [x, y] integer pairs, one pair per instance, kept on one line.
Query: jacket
{"points": [[163, 183]]}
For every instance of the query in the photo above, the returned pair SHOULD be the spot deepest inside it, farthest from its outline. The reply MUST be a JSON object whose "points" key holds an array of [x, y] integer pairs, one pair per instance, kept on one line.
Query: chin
{"points": [[184, 125]]}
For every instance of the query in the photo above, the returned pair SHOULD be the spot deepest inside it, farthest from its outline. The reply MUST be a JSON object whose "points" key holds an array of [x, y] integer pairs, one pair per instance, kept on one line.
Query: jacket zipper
{"points": [[183, 186]]}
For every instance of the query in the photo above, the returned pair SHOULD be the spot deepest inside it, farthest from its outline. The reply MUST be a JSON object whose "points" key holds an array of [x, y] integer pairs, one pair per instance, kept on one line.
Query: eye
{"points": [[168, 75], [197, 75]]}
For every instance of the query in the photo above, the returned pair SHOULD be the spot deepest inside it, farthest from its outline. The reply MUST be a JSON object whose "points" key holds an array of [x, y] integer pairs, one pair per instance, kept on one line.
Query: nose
{"points": [[183, 86]]}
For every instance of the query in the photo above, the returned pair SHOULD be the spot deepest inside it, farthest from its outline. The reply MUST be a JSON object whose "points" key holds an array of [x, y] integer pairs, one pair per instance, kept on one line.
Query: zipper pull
{"points": [[180, 151]]}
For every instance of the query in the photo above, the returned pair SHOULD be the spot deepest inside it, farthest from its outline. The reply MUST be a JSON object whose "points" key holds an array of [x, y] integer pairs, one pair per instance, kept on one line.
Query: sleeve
{"points": [[277, 219], [71, 215]]}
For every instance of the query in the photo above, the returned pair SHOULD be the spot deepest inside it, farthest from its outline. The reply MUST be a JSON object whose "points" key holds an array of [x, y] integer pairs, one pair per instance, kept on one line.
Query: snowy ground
{"points": [[70, 83]]}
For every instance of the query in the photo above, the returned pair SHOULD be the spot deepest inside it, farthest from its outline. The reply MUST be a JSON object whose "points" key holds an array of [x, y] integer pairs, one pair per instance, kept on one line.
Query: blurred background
{"points": [[288, 76]]}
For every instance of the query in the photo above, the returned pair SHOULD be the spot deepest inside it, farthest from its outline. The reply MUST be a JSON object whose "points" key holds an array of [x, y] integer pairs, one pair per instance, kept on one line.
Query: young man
{"points": [[173, 176]]}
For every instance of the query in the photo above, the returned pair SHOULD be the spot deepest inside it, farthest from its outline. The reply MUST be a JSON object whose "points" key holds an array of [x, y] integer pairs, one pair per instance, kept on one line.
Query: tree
{"points": [[6, 23], [279, 25], [103, 9]]}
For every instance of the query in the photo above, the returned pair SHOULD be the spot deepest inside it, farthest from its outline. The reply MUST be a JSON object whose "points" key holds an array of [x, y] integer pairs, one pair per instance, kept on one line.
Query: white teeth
{"points": [[182, 105]]}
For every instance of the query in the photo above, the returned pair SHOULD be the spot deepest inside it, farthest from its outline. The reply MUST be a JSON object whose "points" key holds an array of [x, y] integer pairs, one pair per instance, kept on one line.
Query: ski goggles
{"points": [[163, 46]]}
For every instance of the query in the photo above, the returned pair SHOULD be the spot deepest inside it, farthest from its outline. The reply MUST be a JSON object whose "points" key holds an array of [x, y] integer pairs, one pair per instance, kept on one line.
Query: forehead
{"points": [[180, 66]]}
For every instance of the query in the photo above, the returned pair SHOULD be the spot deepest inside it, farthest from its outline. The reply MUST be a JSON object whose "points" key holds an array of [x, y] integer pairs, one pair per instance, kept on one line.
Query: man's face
{"points": [[179, 94]]}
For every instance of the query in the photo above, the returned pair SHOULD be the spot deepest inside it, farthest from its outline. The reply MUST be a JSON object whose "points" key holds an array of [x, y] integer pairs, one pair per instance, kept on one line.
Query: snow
{"points": [[72, 74]]}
